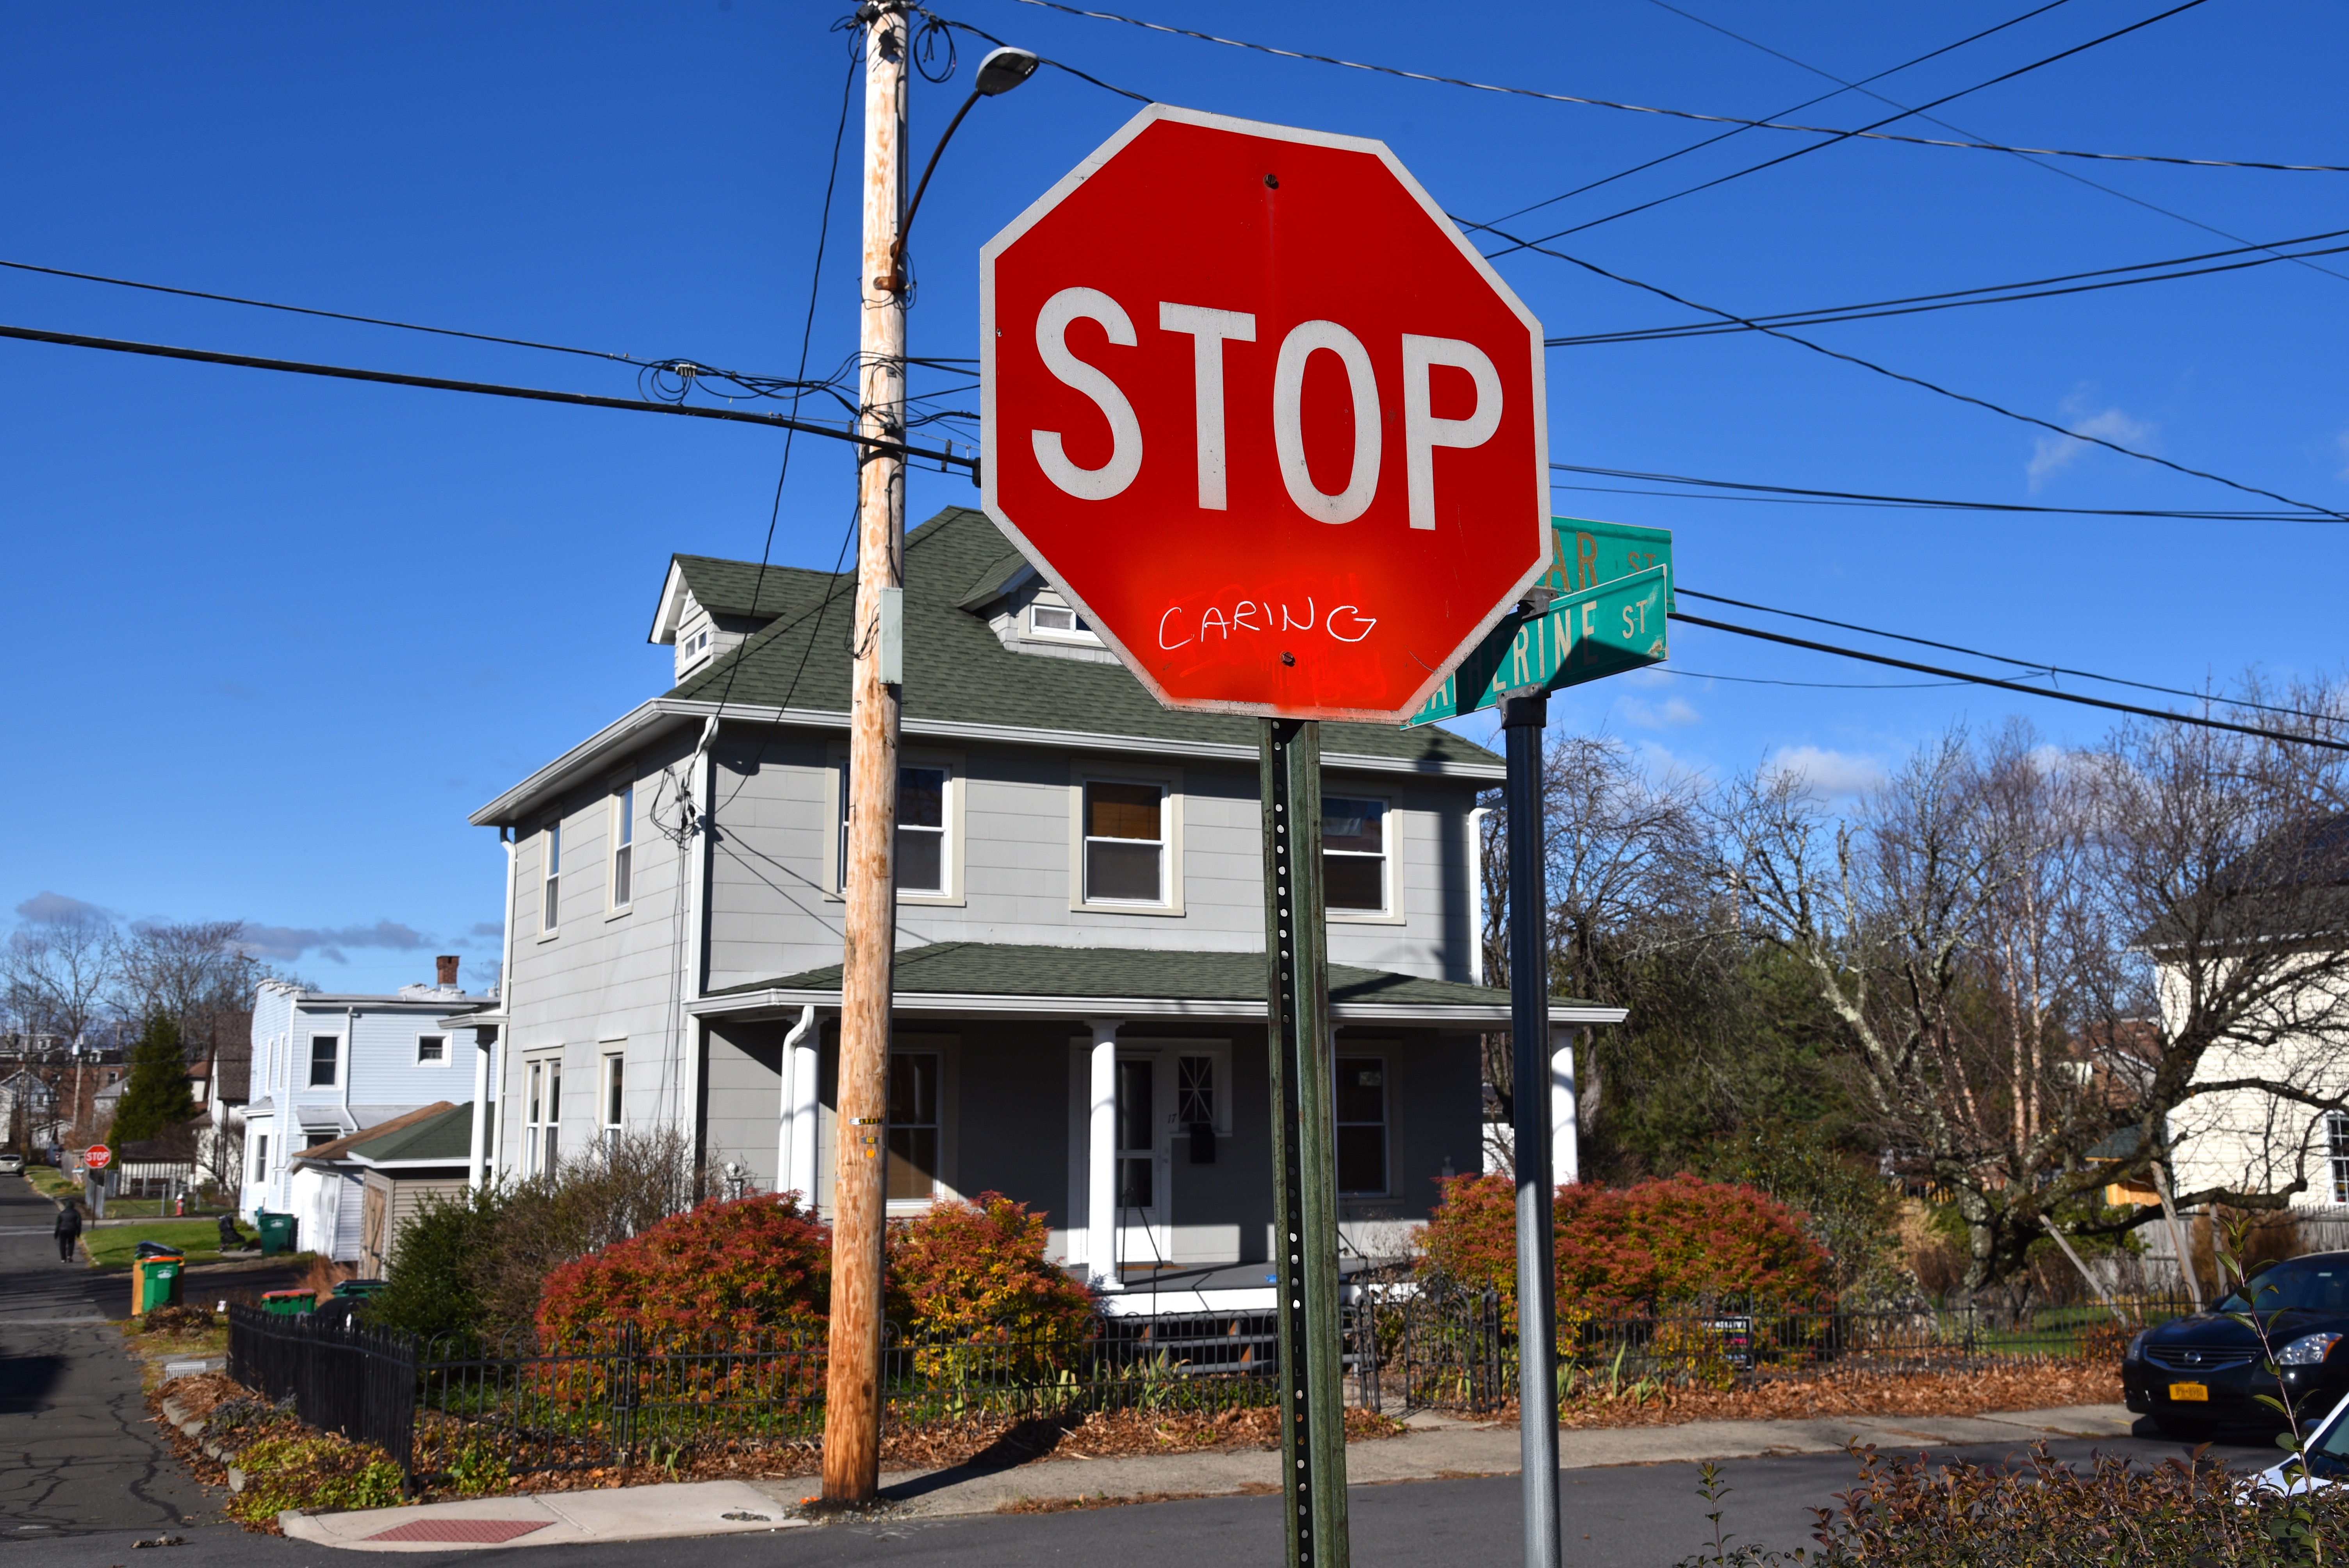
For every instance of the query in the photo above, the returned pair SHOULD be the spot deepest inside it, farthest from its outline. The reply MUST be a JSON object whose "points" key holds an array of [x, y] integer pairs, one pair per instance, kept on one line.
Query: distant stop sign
{"points": [[96, 1156], [1255, 405]]}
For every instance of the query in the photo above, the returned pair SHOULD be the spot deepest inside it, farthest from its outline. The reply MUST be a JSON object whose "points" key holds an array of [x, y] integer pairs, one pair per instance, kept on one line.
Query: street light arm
{"points": [[895, 281]]}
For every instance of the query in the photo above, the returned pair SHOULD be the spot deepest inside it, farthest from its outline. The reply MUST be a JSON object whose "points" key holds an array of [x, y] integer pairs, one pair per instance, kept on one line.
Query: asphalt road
{"points": [[1627, 1517]]}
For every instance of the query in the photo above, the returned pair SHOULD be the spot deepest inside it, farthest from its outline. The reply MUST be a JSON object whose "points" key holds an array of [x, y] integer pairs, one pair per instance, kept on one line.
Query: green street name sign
{"points": [[1614, 583]]}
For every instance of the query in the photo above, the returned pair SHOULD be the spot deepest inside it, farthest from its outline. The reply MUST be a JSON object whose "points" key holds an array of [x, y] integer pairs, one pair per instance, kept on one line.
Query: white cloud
{"points": [[290, 941], [1671, 711], [1826, 774], [44, 908], [2053, 454]]}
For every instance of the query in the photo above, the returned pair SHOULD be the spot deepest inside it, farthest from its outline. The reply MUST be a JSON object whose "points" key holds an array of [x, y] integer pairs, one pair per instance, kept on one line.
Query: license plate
{"points": [[2193, 1391]]}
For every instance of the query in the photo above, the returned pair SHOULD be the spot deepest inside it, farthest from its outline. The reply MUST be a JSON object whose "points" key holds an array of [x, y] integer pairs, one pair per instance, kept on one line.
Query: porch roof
{"points": [[962, 979]]}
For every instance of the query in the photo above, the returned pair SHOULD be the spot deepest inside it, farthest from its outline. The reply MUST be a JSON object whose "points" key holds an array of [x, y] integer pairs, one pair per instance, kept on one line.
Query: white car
{"points": [[2328, 1458], [11, 1164]]}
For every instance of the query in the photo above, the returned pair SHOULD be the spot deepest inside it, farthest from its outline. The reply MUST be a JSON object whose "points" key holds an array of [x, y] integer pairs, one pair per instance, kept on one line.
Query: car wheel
{"points": [[2184, 1431]]}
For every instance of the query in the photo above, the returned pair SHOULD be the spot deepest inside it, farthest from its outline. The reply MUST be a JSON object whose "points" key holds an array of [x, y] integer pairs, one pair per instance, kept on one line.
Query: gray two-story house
{"points": [[1079, 1018]]}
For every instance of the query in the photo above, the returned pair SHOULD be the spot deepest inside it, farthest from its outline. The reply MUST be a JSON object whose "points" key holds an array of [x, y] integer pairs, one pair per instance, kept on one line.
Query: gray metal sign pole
{"points": [[1523, 716], [1304, 1148]]}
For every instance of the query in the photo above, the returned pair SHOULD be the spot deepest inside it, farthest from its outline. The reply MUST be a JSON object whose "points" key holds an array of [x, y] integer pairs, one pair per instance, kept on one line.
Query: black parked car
{"points": [[2198, 1374]]}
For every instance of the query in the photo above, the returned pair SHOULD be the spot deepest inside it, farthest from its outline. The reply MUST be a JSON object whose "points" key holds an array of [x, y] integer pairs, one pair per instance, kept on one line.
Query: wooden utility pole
{"points": [[852, 1421]]}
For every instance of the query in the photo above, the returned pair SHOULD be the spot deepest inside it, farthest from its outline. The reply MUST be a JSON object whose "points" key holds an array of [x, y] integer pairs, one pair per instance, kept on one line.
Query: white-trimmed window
{"points": [[1054, 621], [614, 1099], [326, 1061], [1125, 843], [1361, 1119], [431, 1051], [2336, 1148], [542, 1109], [623, 844], [1354, 878], [1137, 1134], [692, 646], [261, 1158], [917, 1132], [550, 875], [925, 832]]}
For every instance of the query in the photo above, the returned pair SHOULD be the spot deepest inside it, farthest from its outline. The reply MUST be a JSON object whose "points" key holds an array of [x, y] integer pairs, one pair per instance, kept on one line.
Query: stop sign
{"points": [[96, 1156], [1258, 409]]}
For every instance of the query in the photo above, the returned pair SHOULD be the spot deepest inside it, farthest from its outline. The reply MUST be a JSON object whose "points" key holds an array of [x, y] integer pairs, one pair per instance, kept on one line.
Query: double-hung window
{"points": [[326, 1056], [623, 844], [261, 1158], [2336, 1146], [1353, 855], [913, 1127], [550, 871], [1124, 843], [541, 1116], [1361, 1124], [924, 865], [614, 1102]]}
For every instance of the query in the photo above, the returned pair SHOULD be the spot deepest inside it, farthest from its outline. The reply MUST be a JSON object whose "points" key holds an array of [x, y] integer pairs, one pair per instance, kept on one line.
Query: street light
{"points": [[999, 73]]}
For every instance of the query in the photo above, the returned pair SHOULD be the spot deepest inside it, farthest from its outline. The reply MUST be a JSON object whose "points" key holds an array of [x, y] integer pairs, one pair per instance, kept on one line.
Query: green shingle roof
{"points": [[443, 1139], [1005, 969], [957, 670], [734, 587]]}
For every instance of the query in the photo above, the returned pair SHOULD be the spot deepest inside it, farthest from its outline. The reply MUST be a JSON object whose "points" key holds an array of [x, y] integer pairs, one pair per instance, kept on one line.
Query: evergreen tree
{"points": [[157, 1096]]}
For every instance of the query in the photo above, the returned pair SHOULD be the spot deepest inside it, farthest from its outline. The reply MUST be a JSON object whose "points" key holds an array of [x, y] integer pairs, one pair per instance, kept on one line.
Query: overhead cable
{"points": [[533, 394], [1841, 87], [1989, 293], [1794, 495], [1650, 109], [2165, 715], [1873, 125], [2004, 659], [1912, 380]]}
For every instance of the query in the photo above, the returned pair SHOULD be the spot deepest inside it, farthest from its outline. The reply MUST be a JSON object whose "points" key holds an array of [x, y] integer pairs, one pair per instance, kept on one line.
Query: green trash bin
{"points": [[155, 1281], [362, 1289], [287, 1302], [277, 1232]]}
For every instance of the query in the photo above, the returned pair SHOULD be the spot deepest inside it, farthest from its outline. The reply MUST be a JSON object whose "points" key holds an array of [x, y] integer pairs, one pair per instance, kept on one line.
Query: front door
{"points": [[1144, 1204]]}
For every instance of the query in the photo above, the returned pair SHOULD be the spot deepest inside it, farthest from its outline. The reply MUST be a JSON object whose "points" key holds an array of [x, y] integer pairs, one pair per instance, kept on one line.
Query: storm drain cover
{"points": [[490, 1531]]}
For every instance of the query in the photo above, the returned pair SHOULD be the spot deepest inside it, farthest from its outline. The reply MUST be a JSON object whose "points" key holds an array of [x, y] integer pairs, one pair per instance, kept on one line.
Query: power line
{"points": [[2002, 658], [1875, 125], [1841, 89], [533, 394], [1649, 109], [1990, 293], [2163, 714], [1793, 495], [1912, 380], [1816, 686], [2029, 155]]}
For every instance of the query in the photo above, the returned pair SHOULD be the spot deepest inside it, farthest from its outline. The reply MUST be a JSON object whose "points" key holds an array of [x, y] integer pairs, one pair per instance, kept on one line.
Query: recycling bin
{"points": [[287, 1302], [155, 1280], [361, 1289], [277, 1232]]}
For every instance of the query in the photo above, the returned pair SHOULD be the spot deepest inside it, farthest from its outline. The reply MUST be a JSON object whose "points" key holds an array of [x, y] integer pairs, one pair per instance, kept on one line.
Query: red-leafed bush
{"points": [[978, 1266], [721, 1270], [1662, 1242]]}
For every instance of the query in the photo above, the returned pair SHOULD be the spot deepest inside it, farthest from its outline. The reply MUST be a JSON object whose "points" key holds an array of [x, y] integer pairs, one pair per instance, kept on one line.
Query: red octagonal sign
{"points": [[1255, 405]]}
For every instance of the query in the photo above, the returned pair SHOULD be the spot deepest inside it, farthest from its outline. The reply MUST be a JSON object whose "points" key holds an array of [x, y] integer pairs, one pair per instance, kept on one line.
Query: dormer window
{"points": [[1058, 624], [690, 648]]}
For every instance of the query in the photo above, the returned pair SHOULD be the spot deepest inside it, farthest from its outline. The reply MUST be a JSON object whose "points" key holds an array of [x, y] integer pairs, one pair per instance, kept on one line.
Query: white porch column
{"points": [[1565, 1158], [1100, 1156], [795, 1159]]}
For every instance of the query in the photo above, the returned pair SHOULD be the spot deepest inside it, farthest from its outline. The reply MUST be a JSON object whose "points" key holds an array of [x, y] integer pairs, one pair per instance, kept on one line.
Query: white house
{"points": [[325, 1065]]}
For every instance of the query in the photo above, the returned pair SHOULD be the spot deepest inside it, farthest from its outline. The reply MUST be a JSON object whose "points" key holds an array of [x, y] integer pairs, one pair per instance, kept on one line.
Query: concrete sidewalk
{"points": [[1435, 1448]]}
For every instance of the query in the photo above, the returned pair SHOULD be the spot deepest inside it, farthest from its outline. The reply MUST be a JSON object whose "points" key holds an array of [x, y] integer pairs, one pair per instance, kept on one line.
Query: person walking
{"points": [[68, 1231]]}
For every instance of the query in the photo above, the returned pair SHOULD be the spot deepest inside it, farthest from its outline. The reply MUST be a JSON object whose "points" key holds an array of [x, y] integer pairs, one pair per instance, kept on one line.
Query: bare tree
{"points": [[59, 970]]}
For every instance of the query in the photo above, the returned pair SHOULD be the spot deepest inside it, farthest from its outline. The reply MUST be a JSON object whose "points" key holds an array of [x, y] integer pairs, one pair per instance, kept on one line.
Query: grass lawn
{"points": [[152, 1209], [113, 1246], [52, 1182]]}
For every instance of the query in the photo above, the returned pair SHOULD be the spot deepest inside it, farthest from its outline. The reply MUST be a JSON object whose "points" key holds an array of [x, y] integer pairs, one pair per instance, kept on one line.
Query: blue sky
{"points": [[275, 637]]}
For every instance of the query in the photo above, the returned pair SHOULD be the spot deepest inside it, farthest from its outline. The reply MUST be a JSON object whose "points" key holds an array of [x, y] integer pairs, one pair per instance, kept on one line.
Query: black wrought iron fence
{"points": [[447, 1406]]}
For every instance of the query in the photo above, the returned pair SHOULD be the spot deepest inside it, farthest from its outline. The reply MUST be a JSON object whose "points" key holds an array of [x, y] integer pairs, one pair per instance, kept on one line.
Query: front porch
{"points": [[1129, 1085]]}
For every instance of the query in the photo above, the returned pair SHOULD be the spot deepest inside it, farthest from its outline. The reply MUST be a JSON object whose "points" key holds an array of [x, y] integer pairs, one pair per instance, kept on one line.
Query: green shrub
{"points": [[312, 1470], [1919, 1513], [1618, 1252], [434, 1288]]}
